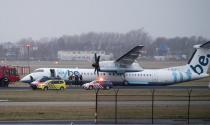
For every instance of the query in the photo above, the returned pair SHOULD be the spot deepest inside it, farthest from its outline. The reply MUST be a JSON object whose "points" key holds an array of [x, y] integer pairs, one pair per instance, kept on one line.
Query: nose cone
{"points": [[27, 79]]}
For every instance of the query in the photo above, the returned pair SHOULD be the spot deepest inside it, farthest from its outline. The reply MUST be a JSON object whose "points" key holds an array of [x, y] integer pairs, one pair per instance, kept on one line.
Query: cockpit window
{"points": [[38, 70]]}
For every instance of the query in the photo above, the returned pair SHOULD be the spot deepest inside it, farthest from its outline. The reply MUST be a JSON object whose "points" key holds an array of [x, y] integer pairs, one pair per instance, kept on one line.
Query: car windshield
{"points": [[43, 79], [93, 81]]}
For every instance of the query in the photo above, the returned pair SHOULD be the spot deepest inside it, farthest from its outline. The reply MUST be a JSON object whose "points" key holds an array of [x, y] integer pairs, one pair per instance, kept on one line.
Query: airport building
{"points": [[83, 55]]}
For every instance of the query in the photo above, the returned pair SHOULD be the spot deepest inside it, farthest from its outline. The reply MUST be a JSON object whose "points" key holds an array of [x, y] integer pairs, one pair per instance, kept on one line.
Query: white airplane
{"points": [[126, 71]]}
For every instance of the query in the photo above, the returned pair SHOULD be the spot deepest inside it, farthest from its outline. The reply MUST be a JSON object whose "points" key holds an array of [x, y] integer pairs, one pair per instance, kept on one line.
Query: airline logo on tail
{"points": [[203, 61]]}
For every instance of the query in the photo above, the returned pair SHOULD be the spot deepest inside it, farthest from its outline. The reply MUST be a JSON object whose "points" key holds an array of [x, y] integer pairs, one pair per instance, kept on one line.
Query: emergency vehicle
{"points": [[98, 84], [8, 74]]}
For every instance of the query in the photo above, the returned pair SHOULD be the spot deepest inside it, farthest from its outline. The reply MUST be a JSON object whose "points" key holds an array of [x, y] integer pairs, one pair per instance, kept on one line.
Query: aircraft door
{"points": [[52, 73], [154, 77]]}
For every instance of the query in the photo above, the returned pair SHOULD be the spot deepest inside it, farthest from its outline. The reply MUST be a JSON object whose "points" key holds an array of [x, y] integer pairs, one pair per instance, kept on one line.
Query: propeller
{"points": [[96, 64]]}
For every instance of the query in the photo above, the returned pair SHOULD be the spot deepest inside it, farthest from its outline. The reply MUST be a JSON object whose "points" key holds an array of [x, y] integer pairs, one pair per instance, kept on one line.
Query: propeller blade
{"points": [[97, 73], [96, 64], [98, 59], [95, 58]]}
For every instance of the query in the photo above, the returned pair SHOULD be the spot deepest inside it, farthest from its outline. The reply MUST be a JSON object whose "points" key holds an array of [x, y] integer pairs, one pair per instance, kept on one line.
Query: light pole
{"points": [[28, 46]]}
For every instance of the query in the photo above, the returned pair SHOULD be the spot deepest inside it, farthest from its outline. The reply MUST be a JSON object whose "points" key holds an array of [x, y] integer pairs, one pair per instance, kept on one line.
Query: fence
{"points": [[136, 106]]}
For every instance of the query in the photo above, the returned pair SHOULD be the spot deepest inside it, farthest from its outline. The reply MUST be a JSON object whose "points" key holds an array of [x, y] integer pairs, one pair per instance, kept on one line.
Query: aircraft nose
{"points": [[27, 79]]}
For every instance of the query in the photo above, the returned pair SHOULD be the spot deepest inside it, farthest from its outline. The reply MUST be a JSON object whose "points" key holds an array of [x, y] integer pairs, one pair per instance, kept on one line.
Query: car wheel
{"points": [[33, 88], [107, 87], [90, 87], [62, 88], [45, 88]]}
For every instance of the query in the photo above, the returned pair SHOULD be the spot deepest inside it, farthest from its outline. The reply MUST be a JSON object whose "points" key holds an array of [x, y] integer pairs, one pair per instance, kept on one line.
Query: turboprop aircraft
{"points": [[126, 71]]}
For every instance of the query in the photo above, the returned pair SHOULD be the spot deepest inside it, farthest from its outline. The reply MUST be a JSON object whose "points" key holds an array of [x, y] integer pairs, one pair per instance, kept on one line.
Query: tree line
{"points": [[116, 43]]}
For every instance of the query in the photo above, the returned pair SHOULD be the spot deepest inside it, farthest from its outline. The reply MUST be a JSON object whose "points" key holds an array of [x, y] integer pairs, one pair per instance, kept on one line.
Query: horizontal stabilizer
{"points": [[205, 45]]}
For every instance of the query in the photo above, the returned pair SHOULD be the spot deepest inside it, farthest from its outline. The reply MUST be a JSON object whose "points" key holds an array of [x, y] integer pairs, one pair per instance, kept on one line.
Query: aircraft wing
{"points": [[130, 57]]}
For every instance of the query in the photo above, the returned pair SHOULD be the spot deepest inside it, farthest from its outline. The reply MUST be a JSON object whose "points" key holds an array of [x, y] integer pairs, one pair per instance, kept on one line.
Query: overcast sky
{"points": [[54, 18]]}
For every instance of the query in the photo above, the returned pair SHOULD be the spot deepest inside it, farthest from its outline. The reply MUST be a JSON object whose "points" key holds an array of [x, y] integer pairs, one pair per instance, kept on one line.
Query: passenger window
{"points": [[38, 70]]}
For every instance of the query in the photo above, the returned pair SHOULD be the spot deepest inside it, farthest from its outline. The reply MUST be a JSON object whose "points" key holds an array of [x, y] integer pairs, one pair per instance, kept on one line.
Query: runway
{"points": [[111, 122], [106, 103], [84, 104]]}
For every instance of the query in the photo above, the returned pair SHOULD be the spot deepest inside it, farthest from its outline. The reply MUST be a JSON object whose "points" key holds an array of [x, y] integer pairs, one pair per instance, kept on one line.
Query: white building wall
{"points": [[83, 55]]}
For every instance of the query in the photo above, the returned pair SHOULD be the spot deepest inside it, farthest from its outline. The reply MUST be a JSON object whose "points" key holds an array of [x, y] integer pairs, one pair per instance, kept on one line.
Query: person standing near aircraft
{"points": [[80, 78], [76, 79]]}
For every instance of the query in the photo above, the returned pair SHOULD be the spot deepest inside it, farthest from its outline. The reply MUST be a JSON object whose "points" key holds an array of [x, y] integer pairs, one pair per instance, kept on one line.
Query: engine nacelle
{"points": [[112, 66]]}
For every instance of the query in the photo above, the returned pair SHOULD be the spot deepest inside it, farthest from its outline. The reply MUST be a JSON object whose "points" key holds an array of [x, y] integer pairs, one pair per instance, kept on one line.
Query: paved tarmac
{"points": [[110, 122], [106, 103]]}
